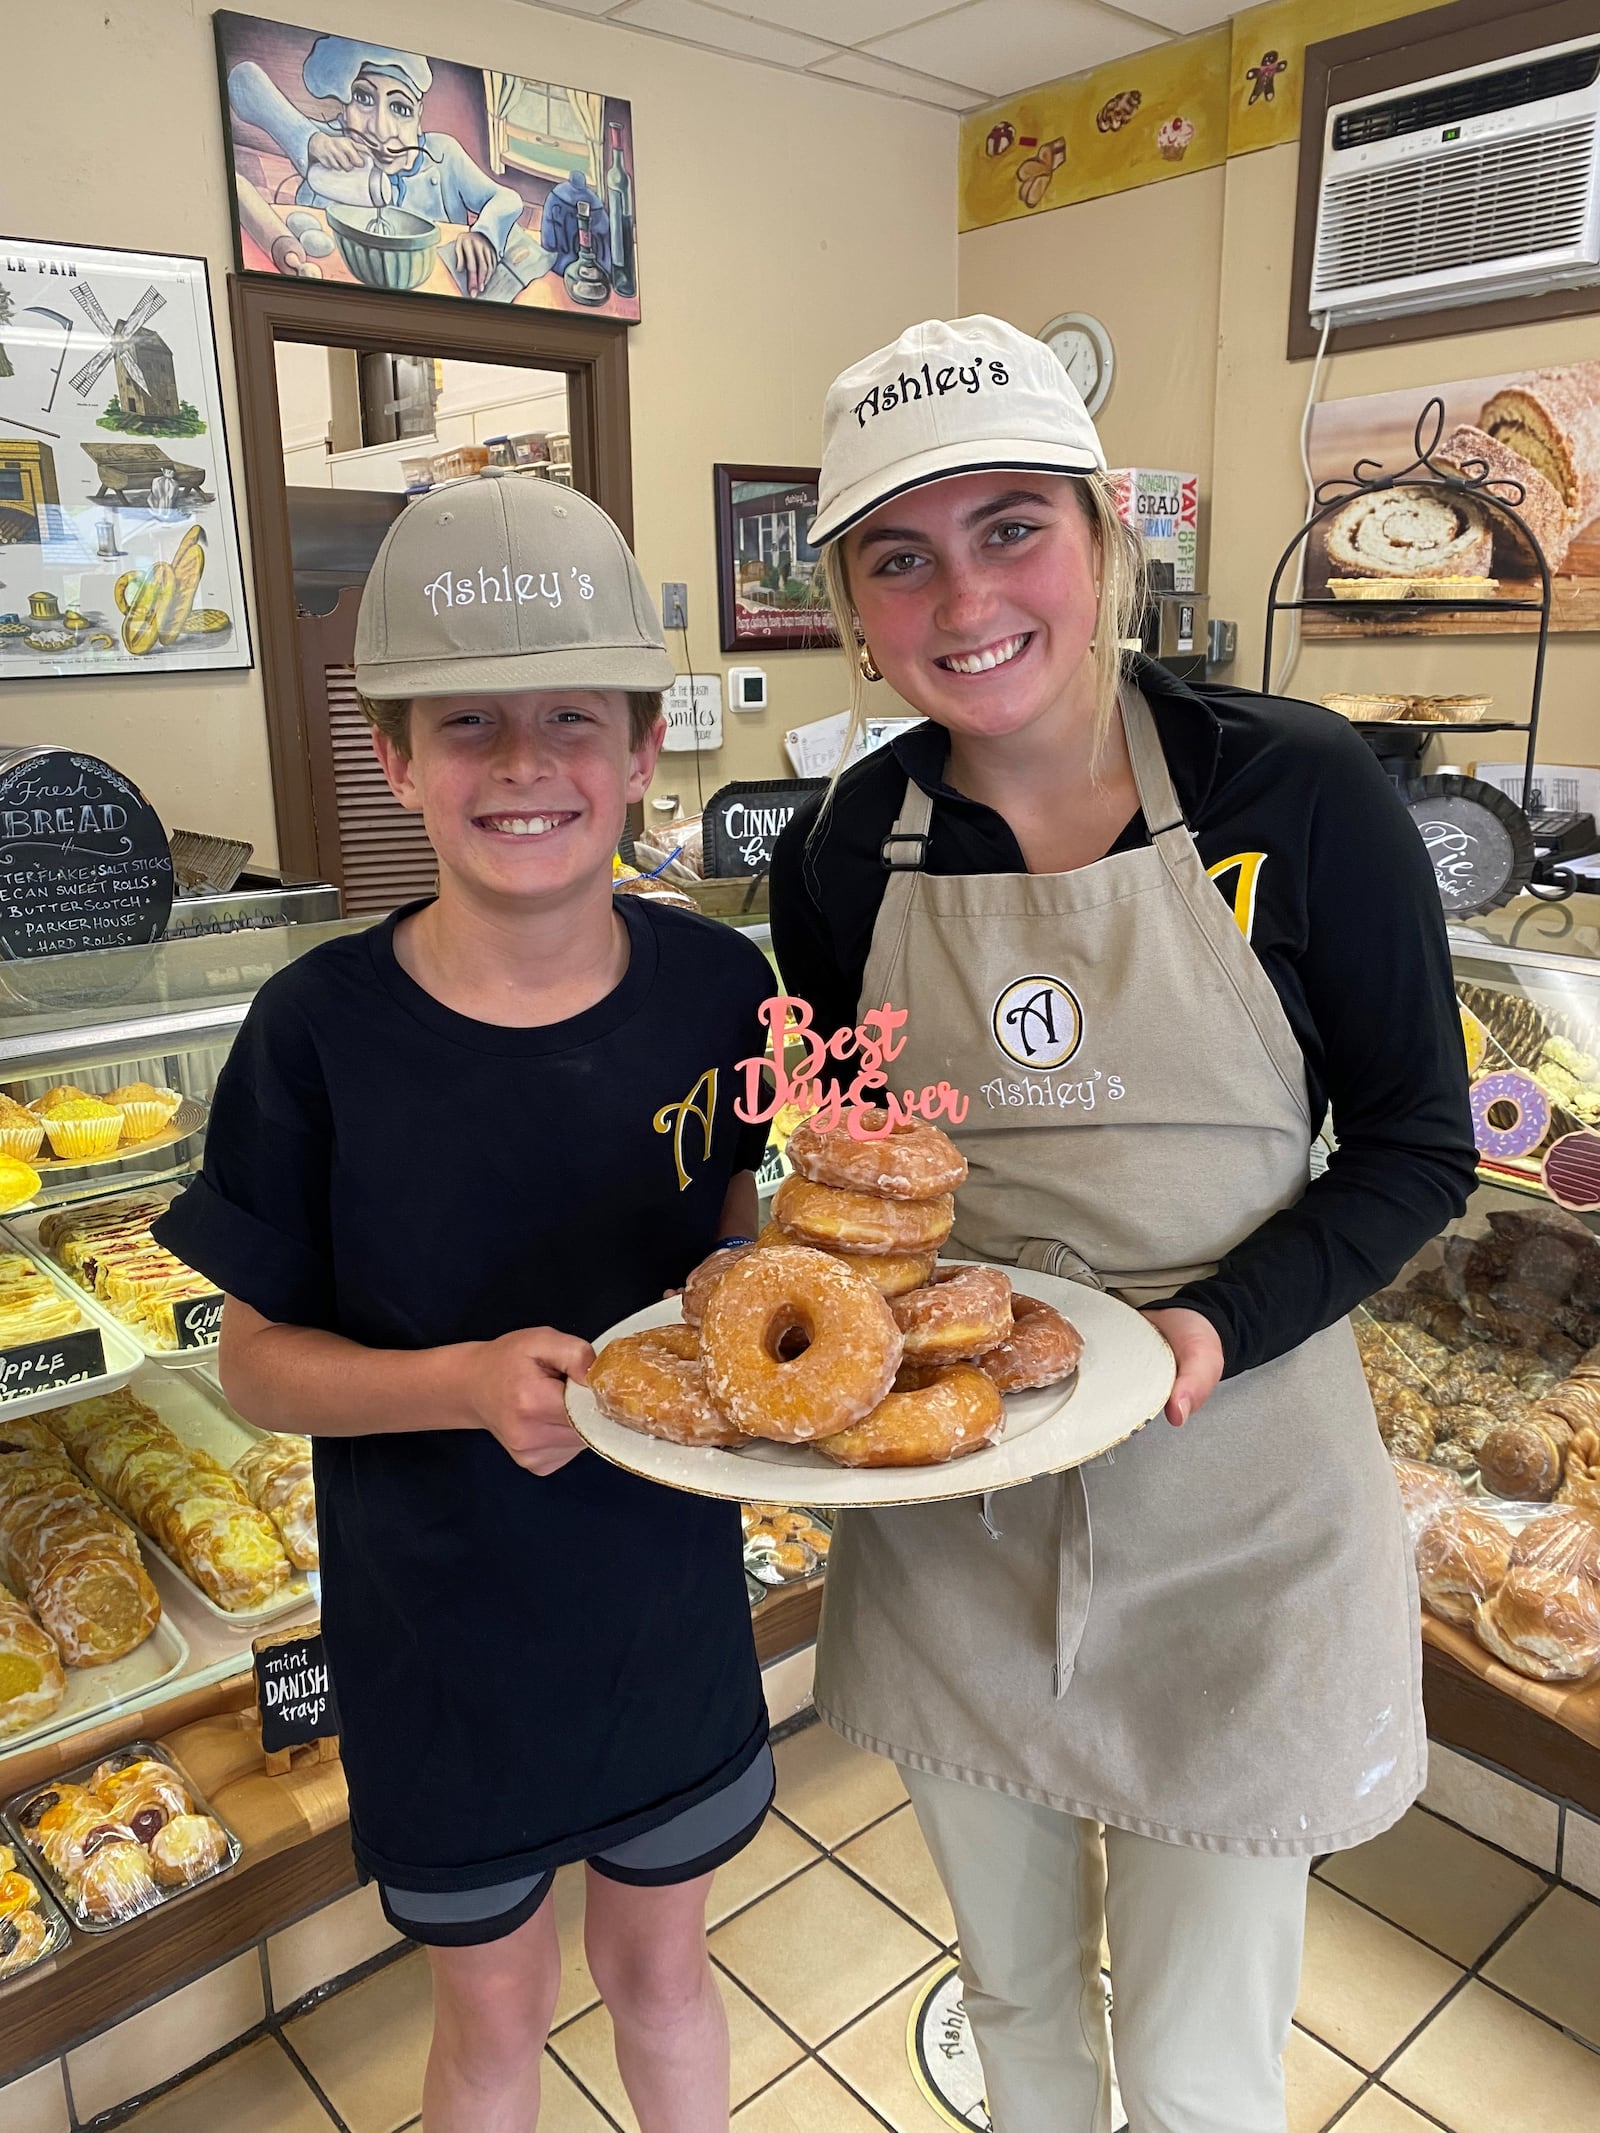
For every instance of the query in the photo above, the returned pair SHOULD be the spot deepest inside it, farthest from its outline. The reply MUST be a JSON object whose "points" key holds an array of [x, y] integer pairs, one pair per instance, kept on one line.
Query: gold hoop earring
{"points": [[867, 664]]}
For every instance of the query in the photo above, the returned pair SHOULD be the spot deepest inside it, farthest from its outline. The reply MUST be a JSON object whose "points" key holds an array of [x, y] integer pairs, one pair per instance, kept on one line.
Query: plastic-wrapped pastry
{"points": [[50, 1805], [1461, 1558], [32, 1683], [1503, 1400], [24, 1937], [96, 1605], [187, 1849], [116, 1881], [1580, 1483], [1424, 1493], [276, 1476], [123, 1777], [1544, 1617]]}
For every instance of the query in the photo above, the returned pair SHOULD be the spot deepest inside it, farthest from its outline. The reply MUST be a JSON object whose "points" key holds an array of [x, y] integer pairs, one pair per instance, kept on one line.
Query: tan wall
{"points": [[771, 255], [1192, 278]]}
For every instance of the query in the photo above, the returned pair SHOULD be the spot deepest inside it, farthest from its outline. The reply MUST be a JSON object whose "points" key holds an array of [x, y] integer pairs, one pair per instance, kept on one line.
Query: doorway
{"points": [[343, 394]]}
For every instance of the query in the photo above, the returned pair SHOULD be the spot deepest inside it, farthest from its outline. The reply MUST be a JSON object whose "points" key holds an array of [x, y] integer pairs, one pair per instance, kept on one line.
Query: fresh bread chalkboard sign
{"points": [[743, 822], [84, 861]]}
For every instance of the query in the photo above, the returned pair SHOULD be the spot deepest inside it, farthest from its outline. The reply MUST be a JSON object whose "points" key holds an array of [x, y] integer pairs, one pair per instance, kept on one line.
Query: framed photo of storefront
{"points": [[359, 162], [119, 553], [770, 591]]}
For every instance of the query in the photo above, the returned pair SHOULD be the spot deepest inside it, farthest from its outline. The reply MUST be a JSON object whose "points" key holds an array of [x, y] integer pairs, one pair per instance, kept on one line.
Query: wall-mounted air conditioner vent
{"points": [[1473, 186]]}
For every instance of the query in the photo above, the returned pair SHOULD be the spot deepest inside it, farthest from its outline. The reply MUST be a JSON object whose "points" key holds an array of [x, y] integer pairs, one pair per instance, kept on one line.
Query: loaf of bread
{"points": [[1461, 1558], [1551, 420], [1543, 1618], [1410, 533], [1425, 1492], [1542, 508]]}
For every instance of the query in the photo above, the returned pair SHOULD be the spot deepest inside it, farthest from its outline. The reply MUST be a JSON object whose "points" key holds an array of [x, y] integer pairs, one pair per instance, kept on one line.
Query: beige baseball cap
{"points": [[503, 581], [951, 396]]}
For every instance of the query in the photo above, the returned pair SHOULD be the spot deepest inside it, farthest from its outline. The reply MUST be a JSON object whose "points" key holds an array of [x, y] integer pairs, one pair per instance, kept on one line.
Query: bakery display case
{"points": [[1483, 1359]]}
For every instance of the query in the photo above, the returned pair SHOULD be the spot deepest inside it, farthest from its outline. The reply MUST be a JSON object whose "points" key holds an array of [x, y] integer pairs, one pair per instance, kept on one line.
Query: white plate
{"points": [[26, 1229], [1124, 1378], [199, 1417], [94, 1690], [122, 1352]]}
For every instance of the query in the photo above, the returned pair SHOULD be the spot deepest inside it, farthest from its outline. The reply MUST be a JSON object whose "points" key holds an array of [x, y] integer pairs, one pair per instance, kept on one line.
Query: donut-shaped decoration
{"points": [[1530, 1121], [1475, 1037], [1572, 1171]]}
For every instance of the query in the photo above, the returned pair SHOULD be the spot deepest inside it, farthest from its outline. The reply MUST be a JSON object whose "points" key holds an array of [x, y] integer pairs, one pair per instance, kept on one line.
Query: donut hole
{"points": [[1503, 1114], [789, 1334]]}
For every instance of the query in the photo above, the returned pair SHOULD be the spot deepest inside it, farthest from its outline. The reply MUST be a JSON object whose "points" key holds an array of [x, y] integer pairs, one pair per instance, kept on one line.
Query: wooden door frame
{"points": [[593, 355]]}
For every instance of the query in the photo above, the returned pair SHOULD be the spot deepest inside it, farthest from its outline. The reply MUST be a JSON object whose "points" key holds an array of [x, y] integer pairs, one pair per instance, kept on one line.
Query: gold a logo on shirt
{"points": [[700, 1105], [1038, 1022]]}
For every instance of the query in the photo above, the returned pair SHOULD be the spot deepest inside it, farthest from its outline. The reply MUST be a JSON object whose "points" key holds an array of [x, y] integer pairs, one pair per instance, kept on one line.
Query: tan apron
{"points": [[1211, 1634]]}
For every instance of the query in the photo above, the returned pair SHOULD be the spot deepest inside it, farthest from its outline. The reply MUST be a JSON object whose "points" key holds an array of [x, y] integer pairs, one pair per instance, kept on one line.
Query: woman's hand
{"points": [[516, 1390], [1193, 1340]]}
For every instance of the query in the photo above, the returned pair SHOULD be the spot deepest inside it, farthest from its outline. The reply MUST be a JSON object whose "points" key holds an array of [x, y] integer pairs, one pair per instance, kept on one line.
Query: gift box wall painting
{"points": [[361, 162], [119, 553]]}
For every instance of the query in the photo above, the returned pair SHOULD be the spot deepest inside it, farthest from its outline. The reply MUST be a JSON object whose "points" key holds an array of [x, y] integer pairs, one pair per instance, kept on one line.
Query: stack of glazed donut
{"points": [[836, 1327]]}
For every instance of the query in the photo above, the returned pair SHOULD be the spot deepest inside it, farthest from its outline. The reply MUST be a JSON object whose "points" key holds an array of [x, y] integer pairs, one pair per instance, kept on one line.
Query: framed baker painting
{"points": [[119, 553], [770, 591]]}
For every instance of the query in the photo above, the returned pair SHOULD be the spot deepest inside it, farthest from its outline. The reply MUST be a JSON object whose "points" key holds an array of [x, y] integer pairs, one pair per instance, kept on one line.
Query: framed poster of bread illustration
{"points": [[357, 161], [1539, 429], [118, 548]]}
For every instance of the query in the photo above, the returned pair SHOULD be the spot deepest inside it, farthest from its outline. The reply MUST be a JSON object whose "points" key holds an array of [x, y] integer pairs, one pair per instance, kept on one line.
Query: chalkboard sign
{"points": [[293, 1693], [40, 1366], [198, 1320], [742, 822], [83, 857], [1479, 842]]}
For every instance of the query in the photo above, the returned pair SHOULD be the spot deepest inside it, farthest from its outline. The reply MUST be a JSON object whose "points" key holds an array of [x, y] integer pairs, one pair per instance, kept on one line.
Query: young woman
{"points": [[1153, 931]]}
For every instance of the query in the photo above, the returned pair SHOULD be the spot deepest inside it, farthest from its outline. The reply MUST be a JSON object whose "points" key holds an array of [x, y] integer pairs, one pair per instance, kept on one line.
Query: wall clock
{"points": [[1084, 348]]}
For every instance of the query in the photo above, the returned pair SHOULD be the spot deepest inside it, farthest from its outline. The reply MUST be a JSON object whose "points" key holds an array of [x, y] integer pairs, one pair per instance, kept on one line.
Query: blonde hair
{"points": [[391, 716], [1119, 550]]}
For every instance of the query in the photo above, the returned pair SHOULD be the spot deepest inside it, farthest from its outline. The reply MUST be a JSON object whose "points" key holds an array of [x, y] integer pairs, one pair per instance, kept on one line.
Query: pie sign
{"points": [[1479, 842]]}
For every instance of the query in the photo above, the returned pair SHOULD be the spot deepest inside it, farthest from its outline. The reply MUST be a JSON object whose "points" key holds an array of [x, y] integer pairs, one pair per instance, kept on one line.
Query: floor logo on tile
{"points": [[945, 2065]]}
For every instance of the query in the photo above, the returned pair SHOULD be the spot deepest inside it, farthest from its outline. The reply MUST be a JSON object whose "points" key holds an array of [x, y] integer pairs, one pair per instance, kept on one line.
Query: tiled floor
{"points": [[1445, 1985]]}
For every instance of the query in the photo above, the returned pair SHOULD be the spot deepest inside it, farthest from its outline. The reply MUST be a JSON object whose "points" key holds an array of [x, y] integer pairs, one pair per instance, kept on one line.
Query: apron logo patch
{"points": [[1037, 1022]]}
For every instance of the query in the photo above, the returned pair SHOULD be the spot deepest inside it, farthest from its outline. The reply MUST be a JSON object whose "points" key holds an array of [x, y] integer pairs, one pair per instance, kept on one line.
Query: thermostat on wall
{"points": [[747, 689]]}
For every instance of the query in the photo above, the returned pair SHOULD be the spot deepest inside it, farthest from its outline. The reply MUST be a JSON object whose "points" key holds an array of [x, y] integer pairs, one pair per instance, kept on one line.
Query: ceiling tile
{"points": [[1185, 15], [840, 21], [898, 81], [1004, 45], [735, 34]]}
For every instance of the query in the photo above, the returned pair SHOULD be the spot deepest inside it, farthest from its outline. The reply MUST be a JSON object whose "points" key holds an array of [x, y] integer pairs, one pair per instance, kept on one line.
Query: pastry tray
{"points": [[57, 1932], [43, 1872], [198, 1416], [127, 1159], [92, 1691], [25, 1229], [123, 1353]]}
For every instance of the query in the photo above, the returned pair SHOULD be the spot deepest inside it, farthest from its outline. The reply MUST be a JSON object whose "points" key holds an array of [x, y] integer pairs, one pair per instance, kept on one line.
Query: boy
{"points": [[497, 1114]]}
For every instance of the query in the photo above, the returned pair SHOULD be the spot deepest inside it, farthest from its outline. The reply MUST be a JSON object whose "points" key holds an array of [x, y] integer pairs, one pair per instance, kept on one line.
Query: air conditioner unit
{"points": [[1458, 190]]}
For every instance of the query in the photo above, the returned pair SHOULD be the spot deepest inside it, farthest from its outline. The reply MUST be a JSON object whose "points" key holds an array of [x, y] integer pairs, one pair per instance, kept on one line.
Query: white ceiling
{"points": [[957, 54]]}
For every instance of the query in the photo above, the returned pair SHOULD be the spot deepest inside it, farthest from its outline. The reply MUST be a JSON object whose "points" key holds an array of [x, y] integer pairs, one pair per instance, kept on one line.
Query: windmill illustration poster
{"points": [[119, 552]]}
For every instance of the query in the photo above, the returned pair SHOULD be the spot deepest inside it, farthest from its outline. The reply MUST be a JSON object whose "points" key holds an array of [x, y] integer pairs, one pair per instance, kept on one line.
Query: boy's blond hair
{"points": [[391, 716]]}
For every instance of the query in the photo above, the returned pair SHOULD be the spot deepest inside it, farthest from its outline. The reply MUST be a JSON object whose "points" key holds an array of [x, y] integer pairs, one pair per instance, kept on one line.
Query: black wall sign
{"points": [[742, 822], [40, 1366], [293, 1693], [83, 857], [197, 1321], [1479, 842]]}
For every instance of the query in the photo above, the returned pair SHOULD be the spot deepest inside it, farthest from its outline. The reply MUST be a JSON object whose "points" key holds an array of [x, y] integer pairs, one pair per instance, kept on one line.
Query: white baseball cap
{"points": [[951, 396], [503, 582]]}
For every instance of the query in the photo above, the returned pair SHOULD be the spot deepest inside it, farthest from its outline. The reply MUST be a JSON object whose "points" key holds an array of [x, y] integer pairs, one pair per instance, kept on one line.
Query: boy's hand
{"points": [[516, 1392]]}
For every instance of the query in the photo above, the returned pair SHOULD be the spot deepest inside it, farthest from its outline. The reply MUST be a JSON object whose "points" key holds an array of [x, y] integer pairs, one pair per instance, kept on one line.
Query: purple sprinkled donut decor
{"points": [[1572, 1171], [1503, 1144]]}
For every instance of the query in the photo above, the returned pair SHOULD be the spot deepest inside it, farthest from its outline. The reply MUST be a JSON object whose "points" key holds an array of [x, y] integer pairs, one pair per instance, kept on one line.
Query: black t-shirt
{"points": [[527, 1670], [1328, 879]]}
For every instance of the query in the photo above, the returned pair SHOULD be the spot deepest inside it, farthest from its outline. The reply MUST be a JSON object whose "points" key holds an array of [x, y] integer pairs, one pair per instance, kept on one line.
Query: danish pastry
{"points": [[96, 1604], [24, 1936], [116, 1880], [852, 1346], [32, 1683], [187, 1849], [824, 1216], [277, 1478]]}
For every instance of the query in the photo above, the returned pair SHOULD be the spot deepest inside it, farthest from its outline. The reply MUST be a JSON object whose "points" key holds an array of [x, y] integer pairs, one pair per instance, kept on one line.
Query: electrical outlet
{"points": [[675, 607]]}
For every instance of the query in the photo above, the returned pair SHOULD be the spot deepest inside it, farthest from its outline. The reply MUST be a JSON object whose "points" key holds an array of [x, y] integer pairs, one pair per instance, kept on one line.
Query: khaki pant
{"points": [[1205, 1963]]}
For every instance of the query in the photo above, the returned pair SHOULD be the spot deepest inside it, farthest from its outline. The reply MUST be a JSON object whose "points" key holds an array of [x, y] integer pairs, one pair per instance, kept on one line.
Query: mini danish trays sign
{"points": [[294, 1696]]}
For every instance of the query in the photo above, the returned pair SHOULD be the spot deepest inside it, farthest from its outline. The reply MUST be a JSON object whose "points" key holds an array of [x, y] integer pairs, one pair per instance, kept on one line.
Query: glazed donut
{"points": [[825, 1216], [656, 1382], [1528, 1102], [931, 1416], [962, 1311], [915, 1161], [891, 1273], [1043, 1348], [851, 1354], [705, 1278]]}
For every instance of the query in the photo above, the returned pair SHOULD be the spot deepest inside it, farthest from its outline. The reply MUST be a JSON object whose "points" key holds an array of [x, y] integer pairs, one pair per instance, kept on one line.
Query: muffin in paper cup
{"points": [[146, 1110], [83, 1129], [21, 1134]]}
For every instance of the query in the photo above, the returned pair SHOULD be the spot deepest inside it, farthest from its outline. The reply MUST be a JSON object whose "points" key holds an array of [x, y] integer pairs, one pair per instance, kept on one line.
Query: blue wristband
{"points": [[727, 1244]]}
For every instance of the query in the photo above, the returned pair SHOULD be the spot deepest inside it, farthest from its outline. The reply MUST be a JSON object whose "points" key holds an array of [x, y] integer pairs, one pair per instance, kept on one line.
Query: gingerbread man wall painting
{"points": [[361, 162]]}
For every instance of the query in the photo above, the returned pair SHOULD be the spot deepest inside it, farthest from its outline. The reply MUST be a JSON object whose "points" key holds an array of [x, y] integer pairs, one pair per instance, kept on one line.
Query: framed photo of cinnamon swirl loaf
{"points": [[1437, 547]]}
